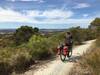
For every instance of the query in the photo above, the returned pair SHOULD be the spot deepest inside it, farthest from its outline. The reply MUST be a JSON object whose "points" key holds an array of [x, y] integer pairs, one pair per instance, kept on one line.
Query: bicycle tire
{"points": [[69, 54], [62, 56]]}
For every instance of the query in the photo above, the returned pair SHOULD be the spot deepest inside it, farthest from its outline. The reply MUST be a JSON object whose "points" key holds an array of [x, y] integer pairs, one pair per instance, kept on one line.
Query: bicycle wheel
{"points": [[69, 54], [62, 56]]}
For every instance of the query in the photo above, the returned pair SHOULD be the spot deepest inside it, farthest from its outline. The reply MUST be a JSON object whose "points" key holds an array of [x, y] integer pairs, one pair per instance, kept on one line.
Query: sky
{"points": [[48, 14]]}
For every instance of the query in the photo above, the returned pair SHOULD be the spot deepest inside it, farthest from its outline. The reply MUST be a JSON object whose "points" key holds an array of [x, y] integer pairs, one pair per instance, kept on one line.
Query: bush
{"points": [[98, 42], [33, 47], [22, 61], [12, 59], [90, 62], [56, 39], [40, 48], [36, 30], [96, 22], [77, 36], [97, 32], [6, 42], [18, 58], [80, 34], [5, 63], [5, 68], [23, 34]]}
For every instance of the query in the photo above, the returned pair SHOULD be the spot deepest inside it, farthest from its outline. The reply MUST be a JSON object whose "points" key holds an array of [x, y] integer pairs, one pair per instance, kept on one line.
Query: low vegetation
{"points": [[81, 34], [20, 50], [16, 55], [89, 64], [23, 34]]}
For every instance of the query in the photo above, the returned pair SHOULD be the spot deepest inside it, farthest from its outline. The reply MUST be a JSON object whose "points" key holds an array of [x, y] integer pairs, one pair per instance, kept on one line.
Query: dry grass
{"points": [[90, 62]]}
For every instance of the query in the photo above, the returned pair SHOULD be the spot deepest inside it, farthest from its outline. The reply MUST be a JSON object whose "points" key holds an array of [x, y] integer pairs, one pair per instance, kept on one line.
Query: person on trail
{"points": [[68, 42]]}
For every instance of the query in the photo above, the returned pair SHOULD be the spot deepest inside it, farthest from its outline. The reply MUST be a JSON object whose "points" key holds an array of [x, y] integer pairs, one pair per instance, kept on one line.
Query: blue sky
{"points": [[55, 14]]}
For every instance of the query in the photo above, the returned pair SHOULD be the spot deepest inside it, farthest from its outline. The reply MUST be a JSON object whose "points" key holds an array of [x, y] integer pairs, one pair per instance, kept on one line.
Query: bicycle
{"points": [[65, 52]]}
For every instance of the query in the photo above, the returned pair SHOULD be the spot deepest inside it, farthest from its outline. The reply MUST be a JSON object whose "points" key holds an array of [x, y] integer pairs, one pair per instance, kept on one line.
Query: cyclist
{"points": [[69, 40]]}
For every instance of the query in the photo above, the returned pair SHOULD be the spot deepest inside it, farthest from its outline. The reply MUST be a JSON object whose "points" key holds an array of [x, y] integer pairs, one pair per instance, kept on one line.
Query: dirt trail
{"points": [[57, 67]]}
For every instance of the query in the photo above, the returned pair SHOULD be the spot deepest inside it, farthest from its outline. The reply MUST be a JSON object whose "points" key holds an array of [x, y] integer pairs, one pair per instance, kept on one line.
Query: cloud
{"points": [[67, 21], [55, 16], [81, 5], [39, 1], [58, 14], [85, 15], [11, 0], [51, 14], [7, 15]]}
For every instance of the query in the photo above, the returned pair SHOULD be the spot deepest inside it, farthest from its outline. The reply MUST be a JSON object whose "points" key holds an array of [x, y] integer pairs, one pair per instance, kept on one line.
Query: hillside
{"points": [[57, 67], [89, 64]]}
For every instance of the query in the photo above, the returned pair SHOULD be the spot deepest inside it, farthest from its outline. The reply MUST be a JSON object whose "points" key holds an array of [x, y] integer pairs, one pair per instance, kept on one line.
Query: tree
{"points": [[23, 34], [98, 32], [36, 30], [96, 22]]}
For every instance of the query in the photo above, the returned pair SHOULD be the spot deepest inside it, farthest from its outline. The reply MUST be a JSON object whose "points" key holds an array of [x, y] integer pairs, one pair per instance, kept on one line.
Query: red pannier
{"points": [[65, 50]]}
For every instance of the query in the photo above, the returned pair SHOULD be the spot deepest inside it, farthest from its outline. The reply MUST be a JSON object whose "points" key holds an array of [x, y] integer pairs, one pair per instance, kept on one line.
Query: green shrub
{"points": [[6, 42], [37, 47], [96, 22], [13, 59], [18, 58], [22, 59], [56, 39], [40, 47], [23, 34], [36, 30], [5, 62], [98, 32], [77, 36], [80, 34]]}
